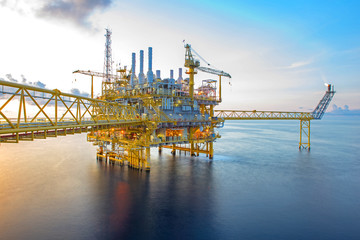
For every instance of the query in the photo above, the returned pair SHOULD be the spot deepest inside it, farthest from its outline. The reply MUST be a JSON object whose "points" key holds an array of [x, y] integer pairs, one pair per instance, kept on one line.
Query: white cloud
{"points": [[345, 110], [299, 64]]}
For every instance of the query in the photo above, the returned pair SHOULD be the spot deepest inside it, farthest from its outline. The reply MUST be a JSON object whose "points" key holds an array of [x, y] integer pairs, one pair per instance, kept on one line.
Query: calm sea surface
{"points": [[258, 186]]}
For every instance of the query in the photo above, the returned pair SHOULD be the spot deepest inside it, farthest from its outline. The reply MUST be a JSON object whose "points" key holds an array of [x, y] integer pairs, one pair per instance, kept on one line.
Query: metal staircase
{"points": [[320, 109]]}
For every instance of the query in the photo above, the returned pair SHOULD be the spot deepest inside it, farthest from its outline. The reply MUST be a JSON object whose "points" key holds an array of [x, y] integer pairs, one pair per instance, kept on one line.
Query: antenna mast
{"points": [[107, 62]]}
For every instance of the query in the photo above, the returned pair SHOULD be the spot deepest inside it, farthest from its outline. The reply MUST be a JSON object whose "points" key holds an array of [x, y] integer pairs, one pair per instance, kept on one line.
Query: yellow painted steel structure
{"points": [[45, 113], [303, 117], [132, 116], [262, 115]]}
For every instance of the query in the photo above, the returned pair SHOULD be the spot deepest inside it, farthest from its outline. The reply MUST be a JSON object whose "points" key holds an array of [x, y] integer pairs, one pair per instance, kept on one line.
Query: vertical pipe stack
{"points": [[179, 80], [158, 74], [141, 74], [133, 76], [150, 74], [171, 74]]}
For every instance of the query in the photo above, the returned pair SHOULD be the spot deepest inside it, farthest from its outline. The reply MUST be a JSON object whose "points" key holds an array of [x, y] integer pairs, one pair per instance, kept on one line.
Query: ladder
{"points": [[320, 109]]}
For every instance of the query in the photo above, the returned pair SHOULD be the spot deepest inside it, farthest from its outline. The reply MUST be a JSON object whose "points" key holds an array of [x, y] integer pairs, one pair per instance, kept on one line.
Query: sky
{"points": [[279, 53]]}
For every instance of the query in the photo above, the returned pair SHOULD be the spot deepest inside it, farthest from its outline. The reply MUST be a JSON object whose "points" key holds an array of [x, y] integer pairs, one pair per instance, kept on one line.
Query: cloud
{"points": [[76, 91], [345, 110], [41, 98], [10, 78], [77, 11], [38, 84], [10, 90], [299, 64], [24, 80], [340, 109], [302, 63]]}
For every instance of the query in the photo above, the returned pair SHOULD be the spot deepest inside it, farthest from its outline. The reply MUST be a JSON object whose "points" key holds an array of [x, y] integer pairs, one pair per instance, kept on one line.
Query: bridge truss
{"points": [[303, 117], [28, 113]]}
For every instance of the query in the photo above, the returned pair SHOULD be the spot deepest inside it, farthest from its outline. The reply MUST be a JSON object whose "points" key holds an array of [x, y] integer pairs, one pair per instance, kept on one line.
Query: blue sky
{"points": [[279, 53]]}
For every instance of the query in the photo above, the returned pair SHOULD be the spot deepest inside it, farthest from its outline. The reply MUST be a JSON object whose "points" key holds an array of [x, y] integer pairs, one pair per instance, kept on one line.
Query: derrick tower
{"points": [[107, 63]]}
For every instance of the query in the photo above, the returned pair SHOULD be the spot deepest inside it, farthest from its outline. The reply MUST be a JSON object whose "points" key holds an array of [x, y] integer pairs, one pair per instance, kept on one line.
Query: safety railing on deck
{"points": [[265, 115]]}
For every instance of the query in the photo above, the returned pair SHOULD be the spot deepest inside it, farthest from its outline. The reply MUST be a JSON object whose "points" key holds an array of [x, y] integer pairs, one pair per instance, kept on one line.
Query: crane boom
{"points": [[214, 71], [96, 74]]}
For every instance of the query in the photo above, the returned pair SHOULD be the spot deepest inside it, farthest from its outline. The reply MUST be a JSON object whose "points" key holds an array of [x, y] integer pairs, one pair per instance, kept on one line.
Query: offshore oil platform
{"points": [[136, 111]]}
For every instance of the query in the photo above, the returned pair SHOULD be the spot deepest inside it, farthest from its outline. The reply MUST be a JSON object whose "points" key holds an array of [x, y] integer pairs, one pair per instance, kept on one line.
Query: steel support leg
{"points": [[304, 134]]}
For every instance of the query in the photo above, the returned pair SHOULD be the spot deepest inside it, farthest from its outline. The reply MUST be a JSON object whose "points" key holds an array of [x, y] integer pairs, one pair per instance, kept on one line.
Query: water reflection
{"points": [[253, 189], [174, 201]]}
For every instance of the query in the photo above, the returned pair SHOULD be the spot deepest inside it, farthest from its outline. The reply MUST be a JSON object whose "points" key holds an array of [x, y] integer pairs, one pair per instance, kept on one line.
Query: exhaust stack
{"points": [[171, 74], [133, 76], [150, 74], [141, 74], [179, 80]]}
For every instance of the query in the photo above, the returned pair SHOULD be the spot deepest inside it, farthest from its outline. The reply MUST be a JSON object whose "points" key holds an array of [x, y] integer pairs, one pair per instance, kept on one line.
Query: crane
{"points": [[195, 64], [190, 63], [96, 74], [215, 72], [114, 78]]}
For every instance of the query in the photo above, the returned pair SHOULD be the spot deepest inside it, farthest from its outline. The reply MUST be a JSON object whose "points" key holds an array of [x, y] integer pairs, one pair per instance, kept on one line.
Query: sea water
{"points": [[258, 186]]}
